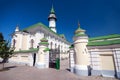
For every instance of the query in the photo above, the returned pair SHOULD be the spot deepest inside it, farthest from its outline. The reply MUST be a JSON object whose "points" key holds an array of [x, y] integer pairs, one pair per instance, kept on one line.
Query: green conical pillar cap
{"points": [[44, 41], [80, 31], [52, 10]]}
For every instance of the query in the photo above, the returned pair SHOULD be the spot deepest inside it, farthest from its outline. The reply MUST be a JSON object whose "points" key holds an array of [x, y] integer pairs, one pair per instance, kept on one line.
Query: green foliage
{"points": [[72, 46], [5, 50], [1, 37]]}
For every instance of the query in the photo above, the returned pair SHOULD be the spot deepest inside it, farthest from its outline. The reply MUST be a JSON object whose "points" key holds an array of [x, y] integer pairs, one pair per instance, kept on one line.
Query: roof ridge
{"points": [[44, 26], [104, 43], [105, 37], [32, 26]]}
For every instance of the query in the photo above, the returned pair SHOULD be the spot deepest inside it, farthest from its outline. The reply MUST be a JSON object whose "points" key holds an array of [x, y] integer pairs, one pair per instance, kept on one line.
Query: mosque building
{"points": [[40, 46], [26, 42]]}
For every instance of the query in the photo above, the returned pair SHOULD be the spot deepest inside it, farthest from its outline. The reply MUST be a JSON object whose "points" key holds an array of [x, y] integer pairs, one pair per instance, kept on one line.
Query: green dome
{"points": [[44, 40], [80, 31]]}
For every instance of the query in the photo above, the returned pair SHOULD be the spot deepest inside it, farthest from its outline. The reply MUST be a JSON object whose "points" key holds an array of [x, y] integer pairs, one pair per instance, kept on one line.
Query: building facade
{"points": [[95, 56], [26, 42], [39, 45]]}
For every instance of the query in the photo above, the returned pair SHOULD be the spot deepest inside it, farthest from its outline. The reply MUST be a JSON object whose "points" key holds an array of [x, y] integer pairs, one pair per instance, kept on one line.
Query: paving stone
{"points": [[22, 72]]}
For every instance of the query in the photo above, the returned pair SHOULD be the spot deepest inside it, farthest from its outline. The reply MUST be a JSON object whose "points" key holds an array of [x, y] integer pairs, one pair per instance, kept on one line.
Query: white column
{"points": [[72, 62], [81, 56], [43, 54]]}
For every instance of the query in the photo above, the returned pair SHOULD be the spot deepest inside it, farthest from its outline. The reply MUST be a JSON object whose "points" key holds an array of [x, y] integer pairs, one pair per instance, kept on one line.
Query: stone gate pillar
{"points": [[43, 54], [81, 52], [72, 58]]}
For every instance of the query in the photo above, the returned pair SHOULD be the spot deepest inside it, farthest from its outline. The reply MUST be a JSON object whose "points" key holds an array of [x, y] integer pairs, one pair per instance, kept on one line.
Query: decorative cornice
{"points": [[27, 51]]}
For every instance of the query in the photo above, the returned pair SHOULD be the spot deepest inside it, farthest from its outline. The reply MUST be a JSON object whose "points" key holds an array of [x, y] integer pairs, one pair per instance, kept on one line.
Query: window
{"points": [[51, 45], [32, 42], [55, 46], [14, 42]]}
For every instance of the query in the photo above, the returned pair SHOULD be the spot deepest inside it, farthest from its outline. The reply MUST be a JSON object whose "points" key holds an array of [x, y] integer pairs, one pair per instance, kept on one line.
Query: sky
{"points": [[97, 17]]}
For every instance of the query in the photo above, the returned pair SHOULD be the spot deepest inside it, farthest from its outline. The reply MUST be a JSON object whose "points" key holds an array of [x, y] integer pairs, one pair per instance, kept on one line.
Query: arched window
{"points": [[32, 42], [58, 48], [14, 42], [55, 45], [51, 44]]}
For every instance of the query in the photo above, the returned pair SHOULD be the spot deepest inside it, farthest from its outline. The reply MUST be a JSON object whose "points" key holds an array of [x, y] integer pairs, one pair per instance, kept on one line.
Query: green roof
{"points": [[79, 28], [43, 43], [104, 40], [104, 43], [106, 37], [62, 35], [80, 35], [36, 25], [42, 25], [44, 40], [46, 49]]}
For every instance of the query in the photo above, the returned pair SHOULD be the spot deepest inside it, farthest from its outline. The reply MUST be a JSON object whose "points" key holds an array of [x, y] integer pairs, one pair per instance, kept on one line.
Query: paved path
{"points": [[20, 72], [32, 73], [64, 64]]}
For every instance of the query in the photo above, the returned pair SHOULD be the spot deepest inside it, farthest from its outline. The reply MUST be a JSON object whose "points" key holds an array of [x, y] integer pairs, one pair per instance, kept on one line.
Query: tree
{"points": [[5, 49], [1, 37]]}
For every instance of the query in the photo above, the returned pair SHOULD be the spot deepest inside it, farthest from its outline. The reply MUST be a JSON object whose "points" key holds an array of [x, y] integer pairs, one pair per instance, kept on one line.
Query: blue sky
{"points": [[97, 17]]}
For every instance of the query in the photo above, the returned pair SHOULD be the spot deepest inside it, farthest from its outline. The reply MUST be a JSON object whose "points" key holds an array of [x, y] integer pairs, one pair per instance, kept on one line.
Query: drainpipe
{"points": [[117, 65]]}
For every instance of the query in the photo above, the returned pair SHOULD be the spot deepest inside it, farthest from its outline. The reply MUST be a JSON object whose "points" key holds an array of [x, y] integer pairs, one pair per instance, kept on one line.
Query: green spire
{"points": [[79, 29], [52, 10], [79, 26]]}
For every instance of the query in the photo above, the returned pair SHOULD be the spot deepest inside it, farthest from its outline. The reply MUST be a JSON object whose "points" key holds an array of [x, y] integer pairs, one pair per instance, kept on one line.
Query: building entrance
{"points": [[34, 59], [54, 59]]}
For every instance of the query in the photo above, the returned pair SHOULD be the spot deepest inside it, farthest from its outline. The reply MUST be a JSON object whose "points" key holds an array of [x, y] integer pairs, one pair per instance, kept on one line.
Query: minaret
{"points": [[81, 52], [52, 20], [17, 28]]}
